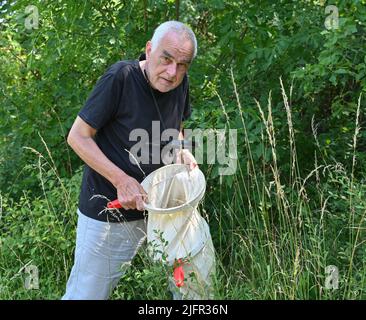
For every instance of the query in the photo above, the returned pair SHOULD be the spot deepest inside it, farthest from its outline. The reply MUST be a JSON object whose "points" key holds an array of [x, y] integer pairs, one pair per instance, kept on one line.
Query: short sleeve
{"points": [[102, 103], [187, 106]]}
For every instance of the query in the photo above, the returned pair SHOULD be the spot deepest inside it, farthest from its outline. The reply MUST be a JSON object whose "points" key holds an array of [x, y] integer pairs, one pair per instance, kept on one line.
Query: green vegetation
{"points": [[294, 91]]}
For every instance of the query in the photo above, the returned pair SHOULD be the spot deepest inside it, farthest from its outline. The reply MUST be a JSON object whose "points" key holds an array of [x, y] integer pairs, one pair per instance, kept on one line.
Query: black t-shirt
{"points": [[120, 102]]}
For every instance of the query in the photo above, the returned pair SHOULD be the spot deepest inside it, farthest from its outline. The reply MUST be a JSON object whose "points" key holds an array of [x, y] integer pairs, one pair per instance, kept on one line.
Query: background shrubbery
{"points": [[297, 201]]}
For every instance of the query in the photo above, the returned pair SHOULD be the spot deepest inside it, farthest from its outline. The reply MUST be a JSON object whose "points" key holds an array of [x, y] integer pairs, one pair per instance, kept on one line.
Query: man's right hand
{"points": [[131, 194]]}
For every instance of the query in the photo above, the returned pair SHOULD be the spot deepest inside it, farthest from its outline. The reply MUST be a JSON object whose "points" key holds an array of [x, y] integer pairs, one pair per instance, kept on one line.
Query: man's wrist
{"points": [[117, 178]]}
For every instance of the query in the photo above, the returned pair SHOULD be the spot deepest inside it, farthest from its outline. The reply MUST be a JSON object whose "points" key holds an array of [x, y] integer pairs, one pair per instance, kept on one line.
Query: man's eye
{"points": [[166, 60], [182, 66]]}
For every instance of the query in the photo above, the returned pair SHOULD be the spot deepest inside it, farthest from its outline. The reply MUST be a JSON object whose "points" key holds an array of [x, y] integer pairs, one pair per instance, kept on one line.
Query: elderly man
{"points": [[131, 94]]}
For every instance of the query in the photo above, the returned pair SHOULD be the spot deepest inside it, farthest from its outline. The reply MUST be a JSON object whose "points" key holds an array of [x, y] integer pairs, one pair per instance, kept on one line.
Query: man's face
{"points": [[168, 62]]}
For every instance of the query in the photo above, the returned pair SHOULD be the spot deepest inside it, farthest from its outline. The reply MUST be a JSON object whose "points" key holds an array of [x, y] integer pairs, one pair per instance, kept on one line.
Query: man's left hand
{"points": [[184, 156]]}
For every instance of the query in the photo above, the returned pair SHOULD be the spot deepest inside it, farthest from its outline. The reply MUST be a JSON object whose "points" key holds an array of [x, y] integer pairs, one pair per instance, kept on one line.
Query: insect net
{"points": [[177, 233]]}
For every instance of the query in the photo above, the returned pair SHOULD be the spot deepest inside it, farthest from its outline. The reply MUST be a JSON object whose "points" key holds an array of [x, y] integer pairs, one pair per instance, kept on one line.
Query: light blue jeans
{"points": [[103, 252]]}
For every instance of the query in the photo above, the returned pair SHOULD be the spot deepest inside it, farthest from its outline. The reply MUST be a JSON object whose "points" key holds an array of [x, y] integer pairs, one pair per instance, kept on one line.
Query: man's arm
{"points": [[129, 192], [184, 155], [181, 136]]}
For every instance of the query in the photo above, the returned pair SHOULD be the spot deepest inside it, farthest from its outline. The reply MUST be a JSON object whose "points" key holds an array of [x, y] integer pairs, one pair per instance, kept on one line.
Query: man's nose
{"points": [[172, 70]]}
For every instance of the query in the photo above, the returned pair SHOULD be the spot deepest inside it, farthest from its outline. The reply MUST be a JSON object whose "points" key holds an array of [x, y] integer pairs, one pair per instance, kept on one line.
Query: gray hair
{"points": [[175, 26]]}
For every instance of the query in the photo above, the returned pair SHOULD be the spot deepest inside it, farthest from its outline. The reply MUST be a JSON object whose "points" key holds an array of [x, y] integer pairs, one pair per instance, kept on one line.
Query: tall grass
{"points": [[275, 232], [279, 238], [38, 231]]}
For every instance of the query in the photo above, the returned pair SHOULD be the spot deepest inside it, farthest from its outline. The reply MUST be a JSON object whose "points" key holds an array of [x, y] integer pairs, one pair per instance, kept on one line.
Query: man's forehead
{"points": [[177, 47]]}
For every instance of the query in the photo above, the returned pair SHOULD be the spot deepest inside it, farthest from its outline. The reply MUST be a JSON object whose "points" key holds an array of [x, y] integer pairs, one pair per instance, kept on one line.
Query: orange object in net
{"points": [[178, 273]]}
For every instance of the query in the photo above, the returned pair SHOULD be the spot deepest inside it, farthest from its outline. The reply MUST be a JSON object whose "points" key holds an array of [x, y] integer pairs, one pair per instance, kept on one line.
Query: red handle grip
{"points": [[115, 204]]}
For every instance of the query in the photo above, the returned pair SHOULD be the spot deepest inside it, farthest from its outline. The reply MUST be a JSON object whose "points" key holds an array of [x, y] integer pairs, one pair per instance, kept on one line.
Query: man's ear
{"points": [[148, 50]]}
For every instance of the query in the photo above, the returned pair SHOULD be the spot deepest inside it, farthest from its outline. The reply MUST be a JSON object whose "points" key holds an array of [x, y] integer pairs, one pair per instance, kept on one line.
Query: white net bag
{"points": [[176, 232]]}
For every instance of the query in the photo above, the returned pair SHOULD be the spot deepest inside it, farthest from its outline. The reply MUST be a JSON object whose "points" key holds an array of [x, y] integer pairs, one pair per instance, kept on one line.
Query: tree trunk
{"points": [[177, 4]]}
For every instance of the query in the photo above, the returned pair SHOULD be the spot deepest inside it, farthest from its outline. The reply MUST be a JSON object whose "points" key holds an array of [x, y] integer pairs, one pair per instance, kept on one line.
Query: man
{"points": [[130, 95]]}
